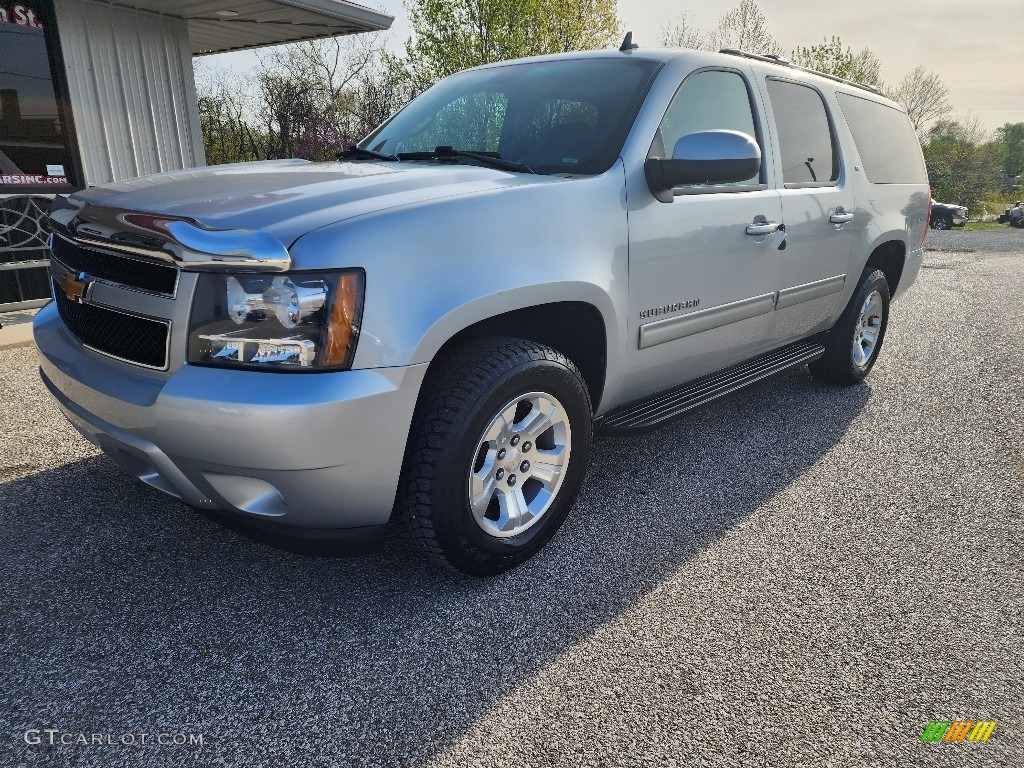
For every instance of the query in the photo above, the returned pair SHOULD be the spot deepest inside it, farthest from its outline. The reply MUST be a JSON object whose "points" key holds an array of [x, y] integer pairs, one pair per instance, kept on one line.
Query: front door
{"points": [[702, 268]]}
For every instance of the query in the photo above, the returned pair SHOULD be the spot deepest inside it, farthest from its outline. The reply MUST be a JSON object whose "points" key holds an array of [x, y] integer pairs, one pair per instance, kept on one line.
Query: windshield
{"points": [[561, 116]]}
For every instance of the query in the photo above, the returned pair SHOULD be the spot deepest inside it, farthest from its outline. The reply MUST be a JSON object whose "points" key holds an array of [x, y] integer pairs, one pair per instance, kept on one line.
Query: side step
{"points": [[668, 404]]}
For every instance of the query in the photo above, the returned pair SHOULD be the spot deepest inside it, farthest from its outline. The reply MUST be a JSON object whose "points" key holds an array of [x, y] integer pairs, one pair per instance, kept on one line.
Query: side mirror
{"points": [[706, 157]]}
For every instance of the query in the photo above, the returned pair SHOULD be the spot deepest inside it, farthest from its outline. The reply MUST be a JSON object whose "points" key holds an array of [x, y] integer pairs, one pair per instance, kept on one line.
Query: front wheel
{"points": [[856, 339], [498, 449], [942, 222]]}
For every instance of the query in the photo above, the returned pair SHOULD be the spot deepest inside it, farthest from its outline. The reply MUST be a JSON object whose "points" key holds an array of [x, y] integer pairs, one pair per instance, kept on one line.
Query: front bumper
{"points": [[318, 451]]}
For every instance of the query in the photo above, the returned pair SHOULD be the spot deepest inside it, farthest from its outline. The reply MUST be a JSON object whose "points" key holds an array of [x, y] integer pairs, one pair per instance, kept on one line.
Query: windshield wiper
{"points": [[492, 160], [354, 151]]}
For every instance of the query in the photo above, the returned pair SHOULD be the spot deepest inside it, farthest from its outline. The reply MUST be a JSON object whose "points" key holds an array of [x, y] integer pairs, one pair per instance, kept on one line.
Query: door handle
{"points": [[841, 217], [762, 228]]}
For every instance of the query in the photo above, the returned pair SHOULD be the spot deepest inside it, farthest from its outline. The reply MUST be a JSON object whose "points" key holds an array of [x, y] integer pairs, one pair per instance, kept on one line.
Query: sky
{"points": [[973, 46]]}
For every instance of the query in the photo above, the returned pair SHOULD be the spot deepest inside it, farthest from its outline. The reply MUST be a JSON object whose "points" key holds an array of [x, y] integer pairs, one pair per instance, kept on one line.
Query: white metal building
{"points": [[93, 92]]}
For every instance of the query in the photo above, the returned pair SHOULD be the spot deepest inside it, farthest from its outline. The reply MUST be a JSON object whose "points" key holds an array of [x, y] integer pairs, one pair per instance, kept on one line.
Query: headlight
{"points": [[293, 321]]}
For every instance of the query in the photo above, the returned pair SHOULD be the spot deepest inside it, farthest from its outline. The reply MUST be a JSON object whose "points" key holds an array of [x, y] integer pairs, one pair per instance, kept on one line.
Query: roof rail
{"points": [[772, 58]]}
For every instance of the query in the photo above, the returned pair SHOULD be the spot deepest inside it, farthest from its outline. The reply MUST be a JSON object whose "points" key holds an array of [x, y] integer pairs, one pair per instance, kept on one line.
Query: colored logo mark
{"points": [[958, 730]]}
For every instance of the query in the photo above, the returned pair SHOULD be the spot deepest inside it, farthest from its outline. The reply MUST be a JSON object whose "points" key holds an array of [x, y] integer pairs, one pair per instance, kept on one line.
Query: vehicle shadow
{"points": [[124, 611]]}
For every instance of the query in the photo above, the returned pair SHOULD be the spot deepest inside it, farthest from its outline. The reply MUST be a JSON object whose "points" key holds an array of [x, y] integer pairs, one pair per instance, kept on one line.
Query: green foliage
{"points": [[307, 100], [962, 162], [995, 203], [1011, 136], [229, 134], [452, 35], [832, 58]]}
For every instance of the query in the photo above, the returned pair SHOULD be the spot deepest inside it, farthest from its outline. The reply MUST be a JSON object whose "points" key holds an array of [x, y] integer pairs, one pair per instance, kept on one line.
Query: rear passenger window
{"points": [[806, 142], [707, 101], [886, 141]]}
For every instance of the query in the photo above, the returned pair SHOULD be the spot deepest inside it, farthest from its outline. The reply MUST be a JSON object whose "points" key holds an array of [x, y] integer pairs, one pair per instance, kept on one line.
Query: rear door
{"points": [[818, 210]]}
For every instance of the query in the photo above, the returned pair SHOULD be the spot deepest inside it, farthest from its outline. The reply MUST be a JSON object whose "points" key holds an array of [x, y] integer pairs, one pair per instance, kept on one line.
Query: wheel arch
{"points": [[576, 328], [890, 256]]}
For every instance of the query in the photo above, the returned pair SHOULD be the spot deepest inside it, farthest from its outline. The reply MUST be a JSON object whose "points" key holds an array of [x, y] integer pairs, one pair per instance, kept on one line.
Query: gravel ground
{"points": [[798, 575]]}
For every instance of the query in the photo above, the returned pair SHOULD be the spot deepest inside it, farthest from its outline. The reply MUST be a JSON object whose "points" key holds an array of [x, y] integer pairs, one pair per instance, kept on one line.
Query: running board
{"points": [[653, 411]]}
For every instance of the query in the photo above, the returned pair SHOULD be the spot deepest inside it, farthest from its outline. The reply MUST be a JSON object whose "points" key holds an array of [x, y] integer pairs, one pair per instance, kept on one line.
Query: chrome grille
{"points": [[124, 270]]}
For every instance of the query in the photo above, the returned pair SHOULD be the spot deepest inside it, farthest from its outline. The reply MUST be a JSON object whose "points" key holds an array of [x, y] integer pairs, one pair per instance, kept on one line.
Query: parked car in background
{"points": [[1014, 216], [945, 216]]}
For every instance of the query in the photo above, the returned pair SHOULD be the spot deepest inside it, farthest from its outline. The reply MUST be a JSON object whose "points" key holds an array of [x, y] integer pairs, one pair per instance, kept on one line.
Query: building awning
{"points": [[217, 26]]}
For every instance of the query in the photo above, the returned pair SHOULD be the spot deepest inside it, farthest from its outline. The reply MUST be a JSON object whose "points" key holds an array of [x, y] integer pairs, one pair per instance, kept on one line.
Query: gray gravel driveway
{"points": [[798, 575]]}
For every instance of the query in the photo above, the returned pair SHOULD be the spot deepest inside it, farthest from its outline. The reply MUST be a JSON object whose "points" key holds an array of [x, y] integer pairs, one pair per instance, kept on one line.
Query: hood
{"points": [[292, 197]]}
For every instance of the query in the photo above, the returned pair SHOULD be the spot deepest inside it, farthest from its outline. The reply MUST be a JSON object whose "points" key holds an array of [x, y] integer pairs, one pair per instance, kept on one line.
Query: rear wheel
{"points": [[856, 339], [498, 449]]}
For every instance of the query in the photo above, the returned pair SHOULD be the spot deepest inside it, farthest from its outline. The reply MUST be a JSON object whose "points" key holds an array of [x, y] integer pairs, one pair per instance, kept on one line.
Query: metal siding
{"points": [[132, 90]]}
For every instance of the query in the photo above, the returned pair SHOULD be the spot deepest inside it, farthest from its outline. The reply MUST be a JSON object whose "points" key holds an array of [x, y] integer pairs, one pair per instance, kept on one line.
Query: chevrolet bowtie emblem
{"points": [[75, 287]]}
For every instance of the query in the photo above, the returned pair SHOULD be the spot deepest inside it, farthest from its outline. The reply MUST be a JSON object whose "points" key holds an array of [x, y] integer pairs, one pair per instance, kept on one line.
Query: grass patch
{"points": [[981, 226]]}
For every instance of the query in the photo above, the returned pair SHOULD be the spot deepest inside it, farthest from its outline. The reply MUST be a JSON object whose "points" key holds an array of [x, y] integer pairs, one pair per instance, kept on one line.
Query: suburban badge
{"points": [[669, 308]]}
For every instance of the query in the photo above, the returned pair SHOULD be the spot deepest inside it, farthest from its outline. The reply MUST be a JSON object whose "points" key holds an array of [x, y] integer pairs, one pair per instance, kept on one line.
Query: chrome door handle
{"points": [[841, 217], [763, 228]]}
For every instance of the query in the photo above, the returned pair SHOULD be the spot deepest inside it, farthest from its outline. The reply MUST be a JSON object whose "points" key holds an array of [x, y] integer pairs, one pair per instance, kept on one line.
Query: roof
{"points": [[216, 26], [699, 57]]}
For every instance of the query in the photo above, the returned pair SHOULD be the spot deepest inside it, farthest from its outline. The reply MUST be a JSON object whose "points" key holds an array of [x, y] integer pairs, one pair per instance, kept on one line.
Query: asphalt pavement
{"points": [[799, 575]]}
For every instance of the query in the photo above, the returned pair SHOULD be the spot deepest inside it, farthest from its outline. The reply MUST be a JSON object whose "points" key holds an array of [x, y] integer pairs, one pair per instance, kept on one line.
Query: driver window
{"points": [[706, 101]]}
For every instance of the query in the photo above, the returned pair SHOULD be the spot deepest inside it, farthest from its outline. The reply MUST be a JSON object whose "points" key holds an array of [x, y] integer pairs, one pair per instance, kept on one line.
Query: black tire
{"points": [[464, 392], [838, 364], [942, 222]]}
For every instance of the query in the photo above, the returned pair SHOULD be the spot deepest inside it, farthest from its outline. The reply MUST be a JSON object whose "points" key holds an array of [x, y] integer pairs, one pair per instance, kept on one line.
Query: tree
{"points": [[225, 111], [684, 35], [746, 28], [452, 35], [307, 100], [832, 58], [923, 95], [320, 96], [1011, 138], [962, 162]]}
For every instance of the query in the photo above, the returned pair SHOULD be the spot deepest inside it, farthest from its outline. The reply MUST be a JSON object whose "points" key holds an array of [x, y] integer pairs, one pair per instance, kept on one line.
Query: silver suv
{"points": [[433, 327]]}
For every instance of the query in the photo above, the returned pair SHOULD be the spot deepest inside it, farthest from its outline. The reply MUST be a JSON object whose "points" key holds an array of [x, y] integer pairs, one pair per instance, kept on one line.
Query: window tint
{"points": [[470, 122], [886, 141], [33, 143], [707, 101], [564, 116], [805, 137]]}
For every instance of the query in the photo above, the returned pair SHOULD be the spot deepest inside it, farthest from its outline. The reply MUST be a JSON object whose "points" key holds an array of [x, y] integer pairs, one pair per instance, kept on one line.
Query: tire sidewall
{"points": [[459, 531], [873, 281]]}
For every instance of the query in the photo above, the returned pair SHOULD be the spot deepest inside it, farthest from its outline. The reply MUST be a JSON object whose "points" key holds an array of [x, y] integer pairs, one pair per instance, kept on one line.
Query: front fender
{"points": [[437, 267], [523, 297]]}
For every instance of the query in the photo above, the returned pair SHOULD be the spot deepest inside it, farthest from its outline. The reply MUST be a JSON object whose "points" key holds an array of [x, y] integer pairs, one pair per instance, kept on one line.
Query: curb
{"points": [[15, 336]]}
